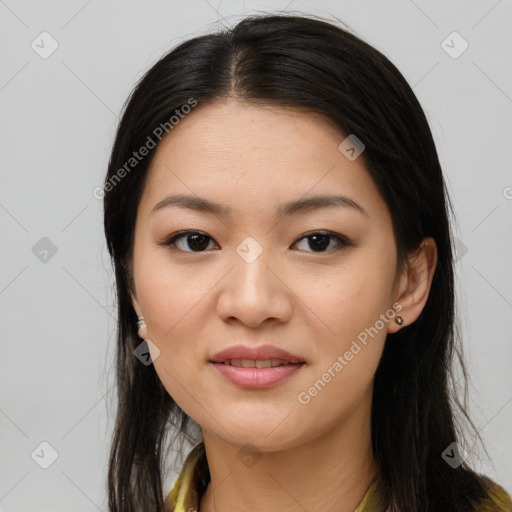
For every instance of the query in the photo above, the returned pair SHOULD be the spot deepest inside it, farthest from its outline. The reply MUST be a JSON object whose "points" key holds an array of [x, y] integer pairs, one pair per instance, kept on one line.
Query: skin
{"points": [[314, 456]]}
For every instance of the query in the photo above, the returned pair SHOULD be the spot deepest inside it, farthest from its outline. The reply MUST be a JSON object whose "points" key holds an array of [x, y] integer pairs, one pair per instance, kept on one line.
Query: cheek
{"points": [[175, 304], [166, 291], [349, 340], [352, 297], [177, 309]]}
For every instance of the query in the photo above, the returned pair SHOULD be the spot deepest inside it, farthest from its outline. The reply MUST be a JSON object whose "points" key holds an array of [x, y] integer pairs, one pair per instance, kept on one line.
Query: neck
{"points": [[329, 472]]}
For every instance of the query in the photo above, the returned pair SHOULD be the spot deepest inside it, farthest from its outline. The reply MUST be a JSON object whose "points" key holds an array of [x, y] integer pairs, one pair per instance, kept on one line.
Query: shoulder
{"points": [[497, 500], [186, 492]]}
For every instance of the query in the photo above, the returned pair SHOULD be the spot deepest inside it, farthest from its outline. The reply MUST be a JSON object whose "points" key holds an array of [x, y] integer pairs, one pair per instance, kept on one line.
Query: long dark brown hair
{"points": [[311, 64]]}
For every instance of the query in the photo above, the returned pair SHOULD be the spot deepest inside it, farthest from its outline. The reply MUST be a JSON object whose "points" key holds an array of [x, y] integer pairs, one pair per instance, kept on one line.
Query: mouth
{"points": [[253, 367], [257, 374]]}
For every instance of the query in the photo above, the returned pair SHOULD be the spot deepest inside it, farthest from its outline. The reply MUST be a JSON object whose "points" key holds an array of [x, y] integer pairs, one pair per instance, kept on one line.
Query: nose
{"points": [[254, 292]]}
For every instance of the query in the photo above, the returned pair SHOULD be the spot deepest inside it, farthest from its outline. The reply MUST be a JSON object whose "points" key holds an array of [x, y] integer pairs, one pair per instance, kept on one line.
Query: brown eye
{"points": [[195, 241], [319, 241]]}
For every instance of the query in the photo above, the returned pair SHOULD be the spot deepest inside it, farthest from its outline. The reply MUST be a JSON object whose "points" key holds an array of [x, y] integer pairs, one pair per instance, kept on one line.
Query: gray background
{"points": [[58, 119]]}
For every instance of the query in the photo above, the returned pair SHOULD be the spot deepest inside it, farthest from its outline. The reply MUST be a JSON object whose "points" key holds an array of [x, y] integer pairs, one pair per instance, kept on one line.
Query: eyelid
{"points": [[169, 241], [342, 241]]}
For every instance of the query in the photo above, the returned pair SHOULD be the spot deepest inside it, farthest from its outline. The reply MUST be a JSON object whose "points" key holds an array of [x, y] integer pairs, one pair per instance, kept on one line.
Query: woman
{"points": [[279, 227]]}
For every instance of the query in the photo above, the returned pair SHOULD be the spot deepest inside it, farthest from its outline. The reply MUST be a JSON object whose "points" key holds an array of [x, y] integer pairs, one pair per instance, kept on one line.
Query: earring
{"points": [[399, 320], [141, 322]]}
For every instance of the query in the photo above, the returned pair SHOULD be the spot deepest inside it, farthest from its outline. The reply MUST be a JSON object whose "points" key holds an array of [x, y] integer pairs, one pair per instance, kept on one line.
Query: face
{"points": [[316, 280]]}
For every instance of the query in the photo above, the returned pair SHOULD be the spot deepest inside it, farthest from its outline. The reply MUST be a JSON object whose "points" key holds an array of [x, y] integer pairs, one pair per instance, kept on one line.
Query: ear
{"points": [[135, 304], [138, 311], [415, 282]]}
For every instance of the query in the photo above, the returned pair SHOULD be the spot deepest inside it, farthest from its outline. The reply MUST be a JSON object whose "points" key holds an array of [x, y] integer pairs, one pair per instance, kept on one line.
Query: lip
{"points": [[256, 378], [256, 353]]}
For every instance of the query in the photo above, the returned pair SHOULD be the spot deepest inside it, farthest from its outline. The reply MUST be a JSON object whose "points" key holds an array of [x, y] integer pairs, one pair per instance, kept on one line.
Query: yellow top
{"points": [[191, 483]]}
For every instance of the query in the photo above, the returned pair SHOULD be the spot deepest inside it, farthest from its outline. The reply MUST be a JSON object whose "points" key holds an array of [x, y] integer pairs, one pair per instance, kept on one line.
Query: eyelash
{"points": [[342, 241]]}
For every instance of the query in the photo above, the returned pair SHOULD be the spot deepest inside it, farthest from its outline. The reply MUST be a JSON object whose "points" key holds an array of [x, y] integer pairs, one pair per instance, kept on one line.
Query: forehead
{"points": [[244, 154]]}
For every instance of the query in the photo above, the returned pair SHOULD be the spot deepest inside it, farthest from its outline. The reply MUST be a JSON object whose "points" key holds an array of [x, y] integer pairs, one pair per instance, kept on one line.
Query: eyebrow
{"points": [[298, 206]]}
